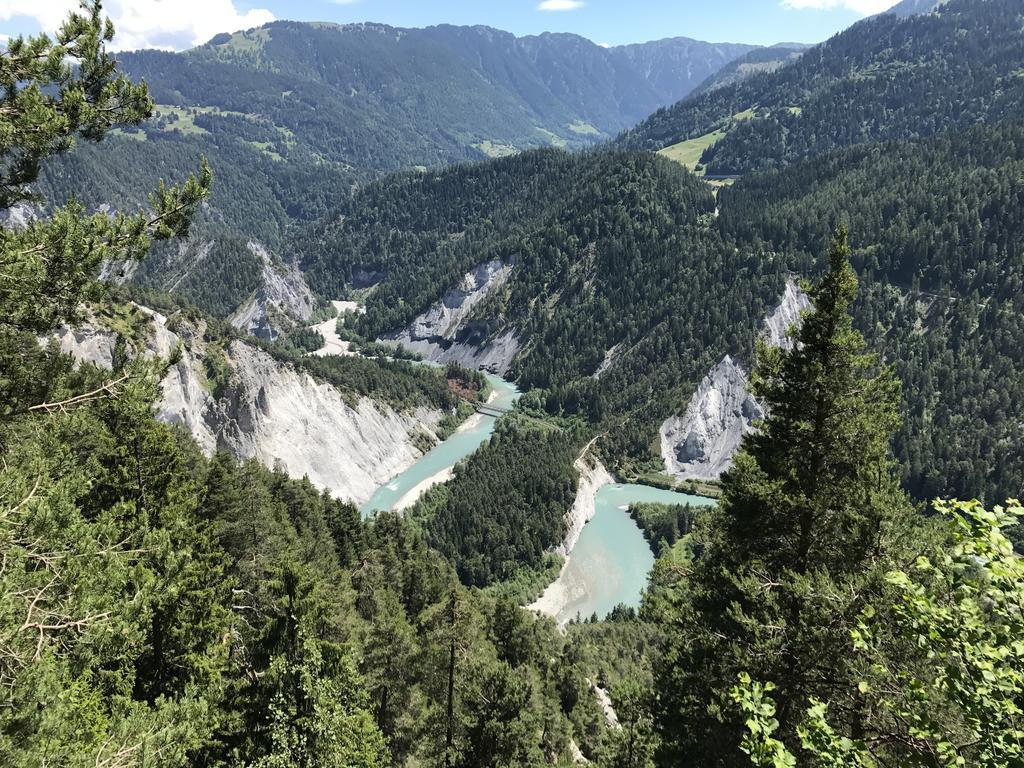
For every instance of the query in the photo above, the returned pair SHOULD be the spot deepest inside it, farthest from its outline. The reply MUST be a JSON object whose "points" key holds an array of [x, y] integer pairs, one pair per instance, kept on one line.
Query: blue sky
{"points": [[181, 23], [611, 21]]}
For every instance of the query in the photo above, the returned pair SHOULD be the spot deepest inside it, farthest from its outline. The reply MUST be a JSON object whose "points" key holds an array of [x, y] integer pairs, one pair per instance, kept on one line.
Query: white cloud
{"points": [[863, 7], [168, 24], [560, 5]]}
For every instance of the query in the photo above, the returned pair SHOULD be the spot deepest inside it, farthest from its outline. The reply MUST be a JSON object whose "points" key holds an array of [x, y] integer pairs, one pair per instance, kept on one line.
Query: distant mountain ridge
{"points": [[913, 7], [755, 62], [381, 97], [293, 116], [893, 76]]}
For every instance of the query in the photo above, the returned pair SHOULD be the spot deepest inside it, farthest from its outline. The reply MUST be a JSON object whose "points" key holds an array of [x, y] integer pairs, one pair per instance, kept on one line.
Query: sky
{"points": [[179, 24]]}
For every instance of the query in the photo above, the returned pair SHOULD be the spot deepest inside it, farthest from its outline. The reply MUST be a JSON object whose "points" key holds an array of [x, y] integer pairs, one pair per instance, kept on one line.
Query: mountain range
{"points": [[568, 231], [893, 76]]}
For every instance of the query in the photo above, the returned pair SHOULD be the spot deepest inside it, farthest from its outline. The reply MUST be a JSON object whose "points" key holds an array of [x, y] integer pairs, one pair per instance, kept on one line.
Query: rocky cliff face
{"points": [[283, 292], [18, 216], [268, 411], [446, 332], [700, 443], [786, 315]]}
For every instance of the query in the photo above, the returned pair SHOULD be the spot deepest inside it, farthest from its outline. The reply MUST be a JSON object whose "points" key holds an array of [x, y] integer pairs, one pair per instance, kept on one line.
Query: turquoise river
{"points": [[611, 561], [444, 455]]}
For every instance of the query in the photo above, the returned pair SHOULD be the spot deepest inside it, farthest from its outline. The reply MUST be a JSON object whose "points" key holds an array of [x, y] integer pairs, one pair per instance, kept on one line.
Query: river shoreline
{"points": [[611, 561], [563, 591], [408, 501], [403, 490]]}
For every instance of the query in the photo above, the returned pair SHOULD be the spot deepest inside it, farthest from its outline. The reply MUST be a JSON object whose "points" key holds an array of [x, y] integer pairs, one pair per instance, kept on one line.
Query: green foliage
{"points": [[809, 518], [504, 508], [305, 339], [595, 270], [318, 719], [764, 749], [884, 78], [943, 280], [294, 115], [48, 267], [664, 524], [55, 90], [113, 595], [943, 676]]}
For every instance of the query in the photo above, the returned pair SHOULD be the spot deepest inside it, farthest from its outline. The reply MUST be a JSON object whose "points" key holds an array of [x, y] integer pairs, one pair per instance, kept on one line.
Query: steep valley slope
{"points": [[261, 407]]}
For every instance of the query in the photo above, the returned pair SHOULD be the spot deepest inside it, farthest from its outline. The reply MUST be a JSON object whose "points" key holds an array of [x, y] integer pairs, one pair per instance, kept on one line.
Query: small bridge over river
{"points": [[491, 410]]}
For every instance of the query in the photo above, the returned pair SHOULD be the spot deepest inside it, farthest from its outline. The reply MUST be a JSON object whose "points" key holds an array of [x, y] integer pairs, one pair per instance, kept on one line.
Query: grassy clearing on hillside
{"points": [[583, 129], [553, 138], [134, 135], [181, 120], [246, 42], [495, 148], [688, 153], [266, 148]]}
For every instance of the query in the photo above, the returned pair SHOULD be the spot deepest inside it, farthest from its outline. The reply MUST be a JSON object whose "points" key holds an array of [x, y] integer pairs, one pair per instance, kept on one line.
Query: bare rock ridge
{"points": [[447, 331], [699, 444], [268, 411], [283, 292], [786, 315], [18, 216]]}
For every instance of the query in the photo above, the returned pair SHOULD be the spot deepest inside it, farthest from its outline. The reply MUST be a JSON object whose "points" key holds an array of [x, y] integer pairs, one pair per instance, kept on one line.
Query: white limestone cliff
{"points": [[269, 411], [446, 332], [699, 443], [283, 291], [593, 477], [786, 315]]}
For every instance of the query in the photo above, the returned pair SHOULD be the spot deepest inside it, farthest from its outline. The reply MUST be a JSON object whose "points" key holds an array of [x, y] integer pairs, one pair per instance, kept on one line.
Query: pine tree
{"points": [[113, 613], [810, 514]]}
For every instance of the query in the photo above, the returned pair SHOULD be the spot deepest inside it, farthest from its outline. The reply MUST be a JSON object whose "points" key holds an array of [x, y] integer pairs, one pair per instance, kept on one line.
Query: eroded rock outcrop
{"points": [[88, 344], [265, 409], [18, 216], [786, 315], [447, 333], [283, 292], [699, 444]]}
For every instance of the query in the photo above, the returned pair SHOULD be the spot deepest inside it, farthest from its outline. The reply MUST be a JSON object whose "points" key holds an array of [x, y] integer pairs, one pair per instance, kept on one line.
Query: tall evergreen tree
{"points": [[810, 514]]}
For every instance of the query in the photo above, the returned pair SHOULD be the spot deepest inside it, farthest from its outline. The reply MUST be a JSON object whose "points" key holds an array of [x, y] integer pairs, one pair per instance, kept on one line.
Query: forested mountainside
{"points": [[937, 242], [294, 115], [162, 608], [912, 7], [884, 78], [757, 61], [619, 284], [615, 258], [379, 97], [163, 604]]}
